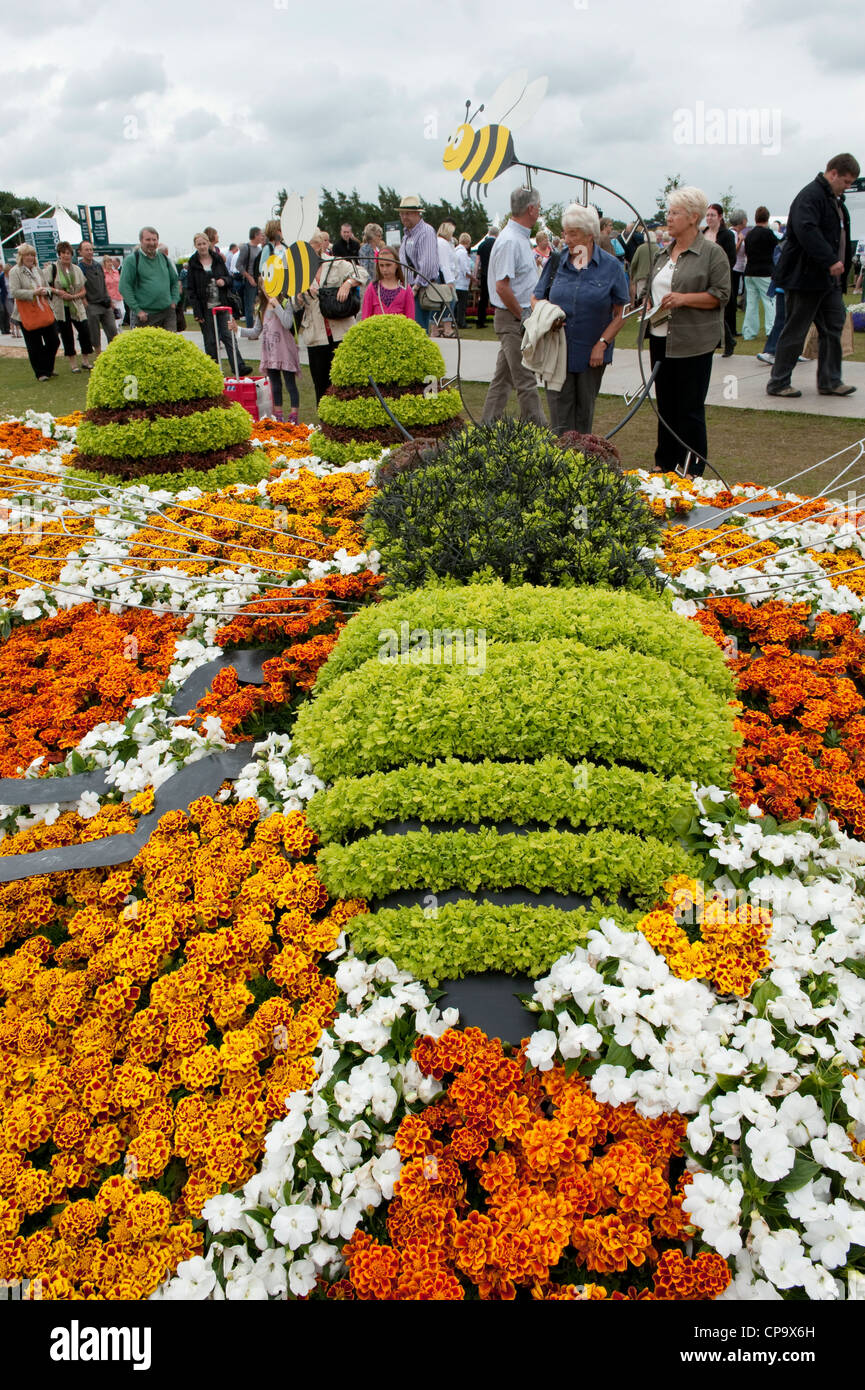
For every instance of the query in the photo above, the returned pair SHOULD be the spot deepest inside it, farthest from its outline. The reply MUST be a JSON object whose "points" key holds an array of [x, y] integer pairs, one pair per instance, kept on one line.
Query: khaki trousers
{"points": [[511, 375]]}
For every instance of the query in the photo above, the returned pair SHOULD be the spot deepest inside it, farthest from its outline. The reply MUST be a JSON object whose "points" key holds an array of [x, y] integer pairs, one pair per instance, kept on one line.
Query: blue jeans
{"points": [[249, 293], [421, 315], [780, 320]]}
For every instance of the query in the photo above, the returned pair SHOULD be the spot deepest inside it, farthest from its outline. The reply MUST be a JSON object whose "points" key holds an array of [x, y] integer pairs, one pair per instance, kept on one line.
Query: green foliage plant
{"points": [[505, 499]]}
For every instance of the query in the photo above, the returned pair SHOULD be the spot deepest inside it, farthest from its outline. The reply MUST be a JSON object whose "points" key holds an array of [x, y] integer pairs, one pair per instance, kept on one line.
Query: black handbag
{"points": [[333, 308]]}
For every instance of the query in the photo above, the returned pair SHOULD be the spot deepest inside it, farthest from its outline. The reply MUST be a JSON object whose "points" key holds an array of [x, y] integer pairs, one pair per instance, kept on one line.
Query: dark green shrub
{"points": [[505, 499]]}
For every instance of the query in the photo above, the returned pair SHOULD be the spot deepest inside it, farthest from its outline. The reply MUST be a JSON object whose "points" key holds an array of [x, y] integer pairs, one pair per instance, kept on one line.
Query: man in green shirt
{"points": [[149, 284]]}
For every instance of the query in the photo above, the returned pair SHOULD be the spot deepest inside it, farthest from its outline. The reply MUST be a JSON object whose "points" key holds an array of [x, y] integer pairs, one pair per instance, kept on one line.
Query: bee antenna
{"points": [[477, 113]]}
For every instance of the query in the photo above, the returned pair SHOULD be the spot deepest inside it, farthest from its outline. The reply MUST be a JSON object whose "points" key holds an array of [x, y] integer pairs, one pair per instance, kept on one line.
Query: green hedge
{"points": [[604, 862], [150, 365], [505, 498], [365, 412], [598, 617], [532, 699], [392, 349], [198, 433], [465, 938], [250, 469], [340, 454], [549, 791]]}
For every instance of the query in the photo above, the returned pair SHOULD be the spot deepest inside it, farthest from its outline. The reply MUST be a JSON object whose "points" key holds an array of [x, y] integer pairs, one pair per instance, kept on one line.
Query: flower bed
{"points": [[223, 1083]]}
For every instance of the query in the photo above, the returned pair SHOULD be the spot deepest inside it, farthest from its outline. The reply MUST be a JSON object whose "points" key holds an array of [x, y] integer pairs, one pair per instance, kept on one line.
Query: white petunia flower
{"points": [[294, 1225], [541, 1050], [771, 1155]]}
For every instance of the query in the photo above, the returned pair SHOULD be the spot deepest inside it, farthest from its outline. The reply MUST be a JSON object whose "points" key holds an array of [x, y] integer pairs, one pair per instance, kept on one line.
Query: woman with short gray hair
{"points": [[592, 288], [688, 288], [373, 241]]}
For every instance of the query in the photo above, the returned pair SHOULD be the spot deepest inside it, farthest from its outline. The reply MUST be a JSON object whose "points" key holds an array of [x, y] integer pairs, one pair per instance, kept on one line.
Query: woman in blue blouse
{"points": [[592, 288]]}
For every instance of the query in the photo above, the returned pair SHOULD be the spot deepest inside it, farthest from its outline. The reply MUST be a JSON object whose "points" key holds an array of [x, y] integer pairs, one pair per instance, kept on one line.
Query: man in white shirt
{"points": [[231, 258], [511, 278]]}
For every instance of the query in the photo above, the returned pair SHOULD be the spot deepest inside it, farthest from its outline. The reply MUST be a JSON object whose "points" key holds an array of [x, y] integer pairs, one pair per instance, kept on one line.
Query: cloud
{"points": [[119, 77], [833, 54], [192, 125], [46, 16]]}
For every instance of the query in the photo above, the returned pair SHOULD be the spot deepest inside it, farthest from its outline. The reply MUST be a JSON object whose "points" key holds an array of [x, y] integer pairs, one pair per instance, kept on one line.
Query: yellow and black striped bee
{"points": [[292, 268], [481, 155]]}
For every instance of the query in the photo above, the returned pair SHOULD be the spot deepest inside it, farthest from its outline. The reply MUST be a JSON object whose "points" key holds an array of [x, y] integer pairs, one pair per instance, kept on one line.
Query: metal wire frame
{"points": [[86, 597], [756, 540], [860, 443]]}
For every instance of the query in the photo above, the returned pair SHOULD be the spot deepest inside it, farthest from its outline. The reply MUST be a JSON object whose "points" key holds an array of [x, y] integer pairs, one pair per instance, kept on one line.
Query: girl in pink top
{"points": [[279, 354], [388, 293]]}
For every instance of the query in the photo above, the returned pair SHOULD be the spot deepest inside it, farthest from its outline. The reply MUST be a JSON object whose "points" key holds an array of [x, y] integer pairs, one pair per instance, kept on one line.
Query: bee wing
{"points": [[523, 109], [309, 219], [292, 215], [505, 97]]}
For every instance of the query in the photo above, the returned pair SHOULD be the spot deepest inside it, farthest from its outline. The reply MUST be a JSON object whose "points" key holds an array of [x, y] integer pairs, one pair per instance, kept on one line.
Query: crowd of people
{"points": [[558, 302]]}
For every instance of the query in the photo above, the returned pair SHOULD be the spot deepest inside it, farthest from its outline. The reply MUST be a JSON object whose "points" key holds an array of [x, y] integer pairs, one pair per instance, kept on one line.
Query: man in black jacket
{"points": [[346, 243], [813, 270], [485, 250]]}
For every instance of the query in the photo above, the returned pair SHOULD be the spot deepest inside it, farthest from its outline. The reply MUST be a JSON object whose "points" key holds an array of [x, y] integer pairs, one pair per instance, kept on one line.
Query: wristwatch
{"points": [[603, 340]]}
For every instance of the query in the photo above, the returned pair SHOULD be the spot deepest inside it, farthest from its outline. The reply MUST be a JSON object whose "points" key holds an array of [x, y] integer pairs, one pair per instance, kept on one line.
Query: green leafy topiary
{"points": [[392, 349], [150, 365], [550, 791], [530, 699], [395, 352], [483, 740], [155, 407], [367, 412], [331, 451], [199, 433], [505, 499], [250, 469], [465, 938], [598, 861], [598, 617]]}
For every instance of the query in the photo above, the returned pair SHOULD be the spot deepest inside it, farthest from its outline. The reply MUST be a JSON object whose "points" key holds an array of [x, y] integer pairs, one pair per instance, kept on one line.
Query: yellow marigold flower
{"points": [[148, 1155], [11, 1216], [34, 1037], [72, 1129], [26, 1125], [148, 1216], [11, 1165], [201, 1069], [80, 1221], [32, 1190], [104, 1145], [142, 803], [134, 1086]]}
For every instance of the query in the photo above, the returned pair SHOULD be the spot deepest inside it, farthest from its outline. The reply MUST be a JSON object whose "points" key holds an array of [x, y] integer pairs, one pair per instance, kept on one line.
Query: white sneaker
{"points": [[766, 357], [806, 359]]}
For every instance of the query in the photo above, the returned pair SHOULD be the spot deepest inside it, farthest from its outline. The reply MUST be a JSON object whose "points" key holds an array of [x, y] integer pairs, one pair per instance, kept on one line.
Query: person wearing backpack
{"points": [[69, 302], [149, 284]]}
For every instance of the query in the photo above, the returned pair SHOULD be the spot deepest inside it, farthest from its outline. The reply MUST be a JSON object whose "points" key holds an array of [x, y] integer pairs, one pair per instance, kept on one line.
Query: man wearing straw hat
{"points": [[418, 252]]}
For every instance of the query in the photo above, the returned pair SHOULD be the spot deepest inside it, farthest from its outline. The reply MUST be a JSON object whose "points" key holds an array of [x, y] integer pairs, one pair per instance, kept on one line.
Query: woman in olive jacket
{"points": [[689, 286]]}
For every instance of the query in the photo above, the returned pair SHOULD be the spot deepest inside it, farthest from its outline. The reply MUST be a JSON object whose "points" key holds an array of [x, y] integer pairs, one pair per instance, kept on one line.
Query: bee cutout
{"points": [[481, 155], [292, 267]]}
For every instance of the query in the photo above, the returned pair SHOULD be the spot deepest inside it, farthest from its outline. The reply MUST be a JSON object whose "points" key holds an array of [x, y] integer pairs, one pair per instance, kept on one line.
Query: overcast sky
{"points": [[194, 114]]}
